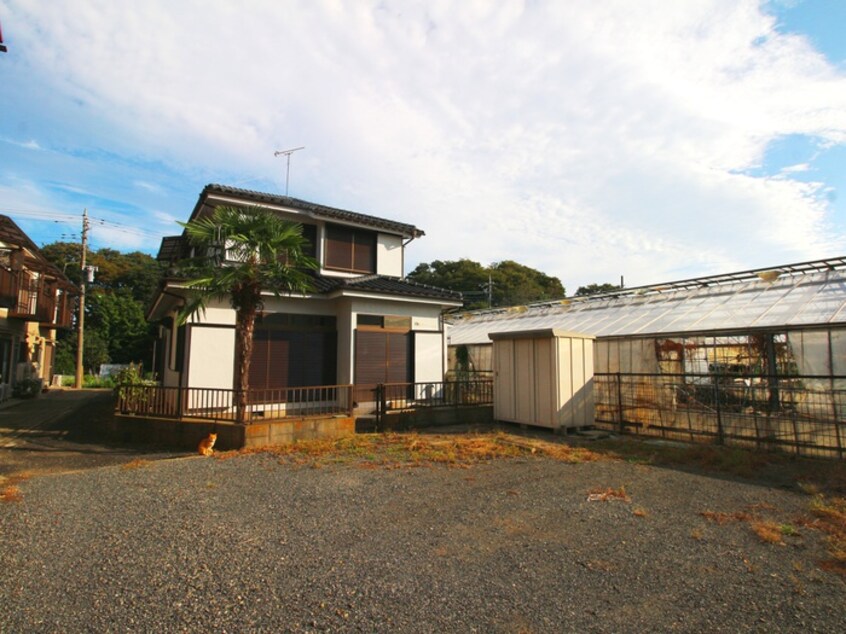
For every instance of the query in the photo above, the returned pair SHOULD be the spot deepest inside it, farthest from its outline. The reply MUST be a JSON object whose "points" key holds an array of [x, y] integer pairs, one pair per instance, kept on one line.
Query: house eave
{"points": [[409, 299], [218, 193]]}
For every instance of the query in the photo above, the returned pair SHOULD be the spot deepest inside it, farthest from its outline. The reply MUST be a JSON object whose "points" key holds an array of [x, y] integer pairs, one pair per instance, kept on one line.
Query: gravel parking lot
{"points": [[258, 544]]}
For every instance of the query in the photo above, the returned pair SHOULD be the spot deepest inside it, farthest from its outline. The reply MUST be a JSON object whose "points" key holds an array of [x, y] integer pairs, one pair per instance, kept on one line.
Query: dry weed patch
{"points": [[392, 450], [724, 518], [732, 460], [812, 475], [768, 531], [604, 495], [830, 514], [827, 515], [137, 463], [11, 493]]}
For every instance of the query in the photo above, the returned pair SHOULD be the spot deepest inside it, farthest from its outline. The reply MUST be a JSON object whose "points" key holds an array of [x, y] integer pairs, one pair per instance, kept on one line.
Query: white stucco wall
{"points": [[212, 360], [389, 255], [216, 313], [428, 357], [314, 306]]}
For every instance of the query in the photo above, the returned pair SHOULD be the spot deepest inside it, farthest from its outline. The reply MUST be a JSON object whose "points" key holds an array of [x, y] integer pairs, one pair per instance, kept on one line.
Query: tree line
{"points": [[505, 283], [116, 330]]}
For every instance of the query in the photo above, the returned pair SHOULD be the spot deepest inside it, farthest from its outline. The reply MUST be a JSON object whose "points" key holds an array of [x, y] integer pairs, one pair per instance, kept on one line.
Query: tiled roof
{"points": [[318, 211], [172, 248], [11, 234], [384, 285], [375, 284]]}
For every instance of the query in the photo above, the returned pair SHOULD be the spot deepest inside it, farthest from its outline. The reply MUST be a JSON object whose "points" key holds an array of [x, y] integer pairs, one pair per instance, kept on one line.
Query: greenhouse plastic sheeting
{"points": [[808, 299]]}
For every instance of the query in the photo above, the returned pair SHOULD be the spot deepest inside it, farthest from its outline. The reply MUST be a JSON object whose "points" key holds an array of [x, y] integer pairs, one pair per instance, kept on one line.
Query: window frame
{"points": [[346, 248]]}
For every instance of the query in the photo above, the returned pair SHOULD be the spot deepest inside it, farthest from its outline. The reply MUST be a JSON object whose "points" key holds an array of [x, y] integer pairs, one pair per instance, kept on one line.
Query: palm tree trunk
{"points": [[245, 321]]}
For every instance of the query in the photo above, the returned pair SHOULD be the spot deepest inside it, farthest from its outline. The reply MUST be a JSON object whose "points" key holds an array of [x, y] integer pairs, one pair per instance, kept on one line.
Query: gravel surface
{"points": [[250, 544]]}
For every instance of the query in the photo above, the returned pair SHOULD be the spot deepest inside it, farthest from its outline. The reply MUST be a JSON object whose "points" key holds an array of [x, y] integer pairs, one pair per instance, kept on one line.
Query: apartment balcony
{"points": [[35, 299]]}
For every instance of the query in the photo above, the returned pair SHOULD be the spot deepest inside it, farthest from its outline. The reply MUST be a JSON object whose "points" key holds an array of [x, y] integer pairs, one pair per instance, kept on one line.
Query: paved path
{"points": [[53, 434]]}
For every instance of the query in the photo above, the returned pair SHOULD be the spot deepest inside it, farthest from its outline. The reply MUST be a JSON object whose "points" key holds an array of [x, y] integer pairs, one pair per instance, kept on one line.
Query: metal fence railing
{"points": [[798, 413], [216, 404], [403, 396]]}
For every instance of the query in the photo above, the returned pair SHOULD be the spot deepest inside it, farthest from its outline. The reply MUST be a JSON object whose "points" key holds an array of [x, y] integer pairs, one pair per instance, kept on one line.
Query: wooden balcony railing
{"points": [[35, 299]]}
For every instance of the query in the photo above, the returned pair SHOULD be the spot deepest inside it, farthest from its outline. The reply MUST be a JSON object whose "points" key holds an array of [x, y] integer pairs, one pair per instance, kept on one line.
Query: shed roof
{"points": [[801, 295], [544, 333]]}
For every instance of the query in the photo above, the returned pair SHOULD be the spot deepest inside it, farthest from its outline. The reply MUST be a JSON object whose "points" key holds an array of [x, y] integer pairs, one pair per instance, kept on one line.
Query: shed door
{"points": [[381, 357]]}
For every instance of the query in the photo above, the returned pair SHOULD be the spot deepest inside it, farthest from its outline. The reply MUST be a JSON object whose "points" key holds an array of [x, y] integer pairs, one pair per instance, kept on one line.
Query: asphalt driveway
{"points": [[55, 433]]}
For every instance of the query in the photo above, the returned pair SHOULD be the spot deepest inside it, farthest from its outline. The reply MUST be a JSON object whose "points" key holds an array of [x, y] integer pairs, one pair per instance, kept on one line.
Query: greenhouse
{"points": [[756, 358]]}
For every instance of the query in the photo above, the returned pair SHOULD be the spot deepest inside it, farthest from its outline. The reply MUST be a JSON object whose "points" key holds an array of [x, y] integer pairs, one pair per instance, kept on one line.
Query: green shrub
{"points": [[27, 388]]}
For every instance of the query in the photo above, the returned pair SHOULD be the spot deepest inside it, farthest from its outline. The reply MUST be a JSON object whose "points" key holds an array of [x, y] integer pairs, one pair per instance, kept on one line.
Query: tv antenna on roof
{"points": [[288, 153]]}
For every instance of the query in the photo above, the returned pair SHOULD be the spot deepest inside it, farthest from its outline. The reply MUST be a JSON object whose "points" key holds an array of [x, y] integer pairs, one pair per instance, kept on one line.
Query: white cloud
{"points": [[586, 139], [31, 144], [796, 169], [150, 187]]}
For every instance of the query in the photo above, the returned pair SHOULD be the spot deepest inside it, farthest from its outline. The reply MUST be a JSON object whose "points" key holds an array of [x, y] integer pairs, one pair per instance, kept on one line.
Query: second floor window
{"points": [[350, 249]]}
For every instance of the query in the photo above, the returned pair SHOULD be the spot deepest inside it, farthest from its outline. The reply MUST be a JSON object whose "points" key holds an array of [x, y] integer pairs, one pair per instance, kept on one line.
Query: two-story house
{"points": [[361, 323], [36, 299]]}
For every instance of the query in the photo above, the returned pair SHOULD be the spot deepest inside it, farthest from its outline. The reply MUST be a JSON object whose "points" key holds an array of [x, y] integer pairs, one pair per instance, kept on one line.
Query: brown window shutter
{"points": [[371, 350], [364, 251], [278, 359], [258, 361], [338, 247], [350, 249], [382, 357], [398, 368]]}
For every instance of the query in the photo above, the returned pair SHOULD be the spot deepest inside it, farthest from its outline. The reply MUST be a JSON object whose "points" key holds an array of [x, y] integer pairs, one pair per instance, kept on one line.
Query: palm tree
{"points": [[238, 254]]}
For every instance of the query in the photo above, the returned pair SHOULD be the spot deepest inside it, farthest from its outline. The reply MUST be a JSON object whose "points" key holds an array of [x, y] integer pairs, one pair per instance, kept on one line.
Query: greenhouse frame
{"points": [[755, 358]]}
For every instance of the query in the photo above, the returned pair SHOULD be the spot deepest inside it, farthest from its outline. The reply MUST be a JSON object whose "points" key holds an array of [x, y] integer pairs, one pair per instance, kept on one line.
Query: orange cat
{"points": [[206, 444]]}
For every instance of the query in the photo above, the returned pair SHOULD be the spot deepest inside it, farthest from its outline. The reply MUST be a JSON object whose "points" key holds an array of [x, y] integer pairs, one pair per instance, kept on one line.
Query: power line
{"points": [[42, 214], [118, 226]]}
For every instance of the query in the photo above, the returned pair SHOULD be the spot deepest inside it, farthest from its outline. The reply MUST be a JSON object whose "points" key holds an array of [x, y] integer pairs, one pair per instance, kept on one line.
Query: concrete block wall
{"points": [[187, 434]]}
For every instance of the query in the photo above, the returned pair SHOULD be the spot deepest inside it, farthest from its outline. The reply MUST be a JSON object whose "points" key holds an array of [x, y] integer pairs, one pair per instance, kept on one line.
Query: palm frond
{"points": [[262, 251]]}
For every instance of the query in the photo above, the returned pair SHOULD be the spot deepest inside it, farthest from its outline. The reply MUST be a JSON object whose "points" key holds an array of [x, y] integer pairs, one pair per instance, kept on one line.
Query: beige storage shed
{"points": [[543, 378]]}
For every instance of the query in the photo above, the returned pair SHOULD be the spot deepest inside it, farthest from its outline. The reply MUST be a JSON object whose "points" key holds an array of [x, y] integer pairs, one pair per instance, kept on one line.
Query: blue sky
{"points": [[591, 140]]}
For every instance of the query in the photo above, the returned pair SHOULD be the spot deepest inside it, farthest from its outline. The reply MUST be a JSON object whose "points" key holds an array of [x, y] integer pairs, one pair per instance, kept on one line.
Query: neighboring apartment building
{"points": [[360, 324], [35, 300]]}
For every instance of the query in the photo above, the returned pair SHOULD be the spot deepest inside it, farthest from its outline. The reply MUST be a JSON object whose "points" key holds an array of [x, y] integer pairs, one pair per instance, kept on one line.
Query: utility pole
{"points": [[490, 290], [80, 322]]}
